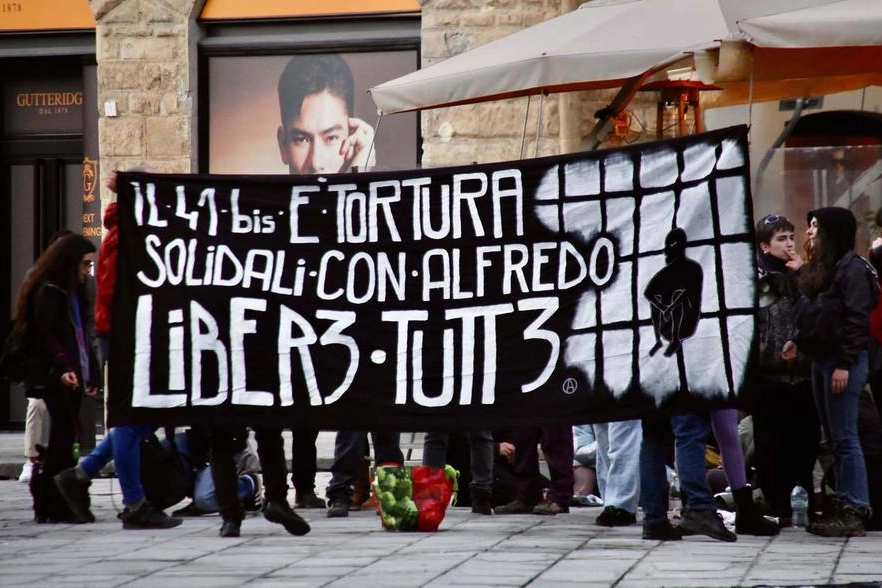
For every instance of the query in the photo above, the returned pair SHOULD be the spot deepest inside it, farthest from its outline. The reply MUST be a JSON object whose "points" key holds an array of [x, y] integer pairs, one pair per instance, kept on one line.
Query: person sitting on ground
{"points": [[585, 490], [193, 446]]}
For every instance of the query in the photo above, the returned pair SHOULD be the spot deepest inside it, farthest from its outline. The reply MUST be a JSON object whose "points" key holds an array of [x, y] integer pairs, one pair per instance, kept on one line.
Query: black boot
{"points": [[482, 501], [748, 519]]}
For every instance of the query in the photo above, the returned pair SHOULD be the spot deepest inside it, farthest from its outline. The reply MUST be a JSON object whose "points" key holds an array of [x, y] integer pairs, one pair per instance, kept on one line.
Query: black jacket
{"points": [[52, 340], [837, 321]]}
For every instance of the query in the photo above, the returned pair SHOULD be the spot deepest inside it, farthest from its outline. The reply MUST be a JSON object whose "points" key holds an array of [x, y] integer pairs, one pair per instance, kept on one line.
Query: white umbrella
{"points": [[757, 50], [600, 45]]}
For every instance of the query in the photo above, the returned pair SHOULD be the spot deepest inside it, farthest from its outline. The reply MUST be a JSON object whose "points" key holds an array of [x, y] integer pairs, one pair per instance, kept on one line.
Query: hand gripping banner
{"points": [[582, 288]]}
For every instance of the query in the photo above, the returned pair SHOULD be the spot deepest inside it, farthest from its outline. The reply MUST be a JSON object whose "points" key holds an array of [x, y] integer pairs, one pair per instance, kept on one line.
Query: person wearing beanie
{"points": [[840, 290]]}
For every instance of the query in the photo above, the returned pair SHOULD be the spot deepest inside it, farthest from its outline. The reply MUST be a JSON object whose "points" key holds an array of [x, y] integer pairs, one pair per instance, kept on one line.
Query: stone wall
{"points": [[146, 54]]}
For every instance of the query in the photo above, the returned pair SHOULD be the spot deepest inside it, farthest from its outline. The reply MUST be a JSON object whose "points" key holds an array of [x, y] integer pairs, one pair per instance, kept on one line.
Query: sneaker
{"points": [[845, 521], [547, 507], [231, 528], [516, 506], [338, 508], [308, 500], [255, 501], [661, 530], [613, 516], [26, 471], [144, 516], [76, 494], [280, 512], [705, 522]]}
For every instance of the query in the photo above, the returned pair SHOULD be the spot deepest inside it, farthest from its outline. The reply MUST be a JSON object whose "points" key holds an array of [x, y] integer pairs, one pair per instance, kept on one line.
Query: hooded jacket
{"points": [[837, 320]]}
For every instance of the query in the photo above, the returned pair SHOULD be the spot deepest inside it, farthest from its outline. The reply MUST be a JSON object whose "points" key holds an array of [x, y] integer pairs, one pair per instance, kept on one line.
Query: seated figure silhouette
{"points": [[675, 295]]}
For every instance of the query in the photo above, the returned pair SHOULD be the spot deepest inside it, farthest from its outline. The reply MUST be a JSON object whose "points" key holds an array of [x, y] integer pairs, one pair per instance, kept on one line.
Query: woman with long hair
{"points": [[50, 316], [839, 289]]}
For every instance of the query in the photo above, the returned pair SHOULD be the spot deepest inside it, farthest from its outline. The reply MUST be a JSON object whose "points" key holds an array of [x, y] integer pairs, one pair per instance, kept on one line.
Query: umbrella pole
{"points": [[524, 132], [539, 123], [374, 138], [604, 116]]}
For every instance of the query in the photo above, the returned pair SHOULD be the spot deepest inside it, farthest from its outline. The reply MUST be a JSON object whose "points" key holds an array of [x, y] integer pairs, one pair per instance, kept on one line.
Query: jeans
{"points": [[350, 448], [204, 496], [839, 420], [618, 463], [123, 445], [481, 453], [687, 432]]}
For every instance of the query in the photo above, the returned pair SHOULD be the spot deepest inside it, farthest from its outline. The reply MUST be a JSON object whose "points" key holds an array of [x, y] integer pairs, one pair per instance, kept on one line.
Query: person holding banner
{"points": [[840, 290], [557, 447], [319, 135], [699, 514], [482, 451], [122, 444]]}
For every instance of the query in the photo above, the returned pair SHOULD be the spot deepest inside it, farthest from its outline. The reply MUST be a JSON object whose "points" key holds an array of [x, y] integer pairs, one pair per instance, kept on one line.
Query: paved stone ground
{"points": [[469, 550]]}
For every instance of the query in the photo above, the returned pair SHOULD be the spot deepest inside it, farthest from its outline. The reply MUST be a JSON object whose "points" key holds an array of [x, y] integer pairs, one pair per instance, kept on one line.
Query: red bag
{"points": [[432, 490], [413, 499]]}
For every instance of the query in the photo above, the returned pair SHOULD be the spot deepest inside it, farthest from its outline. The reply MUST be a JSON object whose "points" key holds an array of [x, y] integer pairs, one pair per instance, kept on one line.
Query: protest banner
{"points": [[581, 288]]}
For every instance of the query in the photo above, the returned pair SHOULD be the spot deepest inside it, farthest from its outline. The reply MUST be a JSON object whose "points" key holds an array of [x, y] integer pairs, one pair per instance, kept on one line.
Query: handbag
{"points": [[165, 475]]}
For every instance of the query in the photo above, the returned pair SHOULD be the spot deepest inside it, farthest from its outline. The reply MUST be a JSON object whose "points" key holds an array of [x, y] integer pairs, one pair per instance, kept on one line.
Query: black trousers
{"points": [[303, 459], [786, 434], [226, 442], [63, 407]]}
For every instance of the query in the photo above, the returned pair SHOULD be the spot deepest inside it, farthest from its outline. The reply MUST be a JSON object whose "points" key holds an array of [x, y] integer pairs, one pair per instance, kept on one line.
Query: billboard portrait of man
{"points": [[318, 133], [306, 113]]}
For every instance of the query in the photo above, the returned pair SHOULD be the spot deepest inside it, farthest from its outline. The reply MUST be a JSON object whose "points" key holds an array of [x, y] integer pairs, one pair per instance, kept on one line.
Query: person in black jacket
{"points": [[840, 290], [51, 315], [785, 422]]}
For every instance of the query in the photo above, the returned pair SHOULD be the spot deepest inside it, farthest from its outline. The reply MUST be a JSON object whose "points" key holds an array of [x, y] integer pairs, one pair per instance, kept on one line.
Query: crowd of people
{"points": [[813, 422]]}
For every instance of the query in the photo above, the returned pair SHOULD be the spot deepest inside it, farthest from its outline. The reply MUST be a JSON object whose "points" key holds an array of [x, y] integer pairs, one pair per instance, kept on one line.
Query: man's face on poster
{"points": [[311, 143]]}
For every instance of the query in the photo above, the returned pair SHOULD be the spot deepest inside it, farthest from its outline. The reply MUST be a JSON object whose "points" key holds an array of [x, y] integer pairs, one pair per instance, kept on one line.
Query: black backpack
{"points": [[166, 475]]}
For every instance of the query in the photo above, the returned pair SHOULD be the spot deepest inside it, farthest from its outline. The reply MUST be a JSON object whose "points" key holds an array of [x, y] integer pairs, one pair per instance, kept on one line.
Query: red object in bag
{"points": [[432, 491]]}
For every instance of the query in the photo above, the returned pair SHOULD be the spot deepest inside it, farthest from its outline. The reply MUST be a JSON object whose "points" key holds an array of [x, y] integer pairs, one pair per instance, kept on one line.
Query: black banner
{"points": [[582, 288]]}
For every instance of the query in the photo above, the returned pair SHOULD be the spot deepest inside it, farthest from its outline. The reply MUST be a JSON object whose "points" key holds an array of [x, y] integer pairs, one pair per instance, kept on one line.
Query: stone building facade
{"points": [[146, 54]]}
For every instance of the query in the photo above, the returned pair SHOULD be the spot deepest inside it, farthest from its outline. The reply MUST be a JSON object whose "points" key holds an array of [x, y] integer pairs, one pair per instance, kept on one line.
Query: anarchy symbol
{"points": [[570, 385]]}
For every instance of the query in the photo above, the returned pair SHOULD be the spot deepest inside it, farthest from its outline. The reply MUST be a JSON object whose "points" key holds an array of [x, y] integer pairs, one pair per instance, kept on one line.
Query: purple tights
{"points": [[725, 426]]}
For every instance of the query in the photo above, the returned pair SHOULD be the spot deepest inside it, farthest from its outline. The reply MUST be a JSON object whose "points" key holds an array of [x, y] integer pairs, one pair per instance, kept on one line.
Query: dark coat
{"points": [[52, 339], [837, 320]]}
